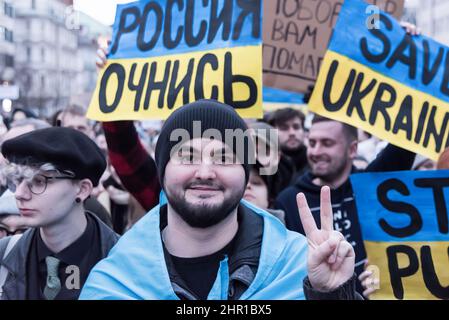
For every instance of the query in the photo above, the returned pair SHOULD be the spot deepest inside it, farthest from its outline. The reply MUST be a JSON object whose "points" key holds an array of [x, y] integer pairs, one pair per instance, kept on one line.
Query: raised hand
{"points": [[102, 59], [331, 258], [410, 28]]}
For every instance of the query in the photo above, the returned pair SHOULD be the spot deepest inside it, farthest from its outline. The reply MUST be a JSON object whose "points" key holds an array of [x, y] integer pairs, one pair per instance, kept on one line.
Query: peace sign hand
{"points": [[331, 258]]}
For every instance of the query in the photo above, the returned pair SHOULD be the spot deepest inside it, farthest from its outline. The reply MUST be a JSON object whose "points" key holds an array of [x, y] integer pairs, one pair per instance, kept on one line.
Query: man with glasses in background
{"points": [[51, 172]]}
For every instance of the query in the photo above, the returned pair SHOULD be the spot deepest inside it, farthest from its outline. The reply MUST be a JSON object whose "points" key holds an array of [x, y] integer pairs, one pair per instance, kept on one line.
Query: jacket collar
{"points": [[244, 258], [248, 240], [14, 262], [15, 266], [140, 251], [306, 181], [108, 237]]}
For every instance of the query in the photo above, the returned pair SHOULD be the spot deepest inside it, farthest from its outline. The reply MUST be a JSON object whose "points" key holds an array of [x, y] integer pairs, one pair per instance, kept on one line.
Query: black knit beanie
{"points": [[212, 115]]}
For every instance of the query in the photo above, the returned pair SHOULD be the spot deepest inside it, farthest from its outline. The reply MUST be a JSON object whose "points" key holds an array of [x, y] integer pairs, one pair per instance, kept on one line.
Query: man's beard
{"points": [[333, 172], [289, 151], [203, 215]]}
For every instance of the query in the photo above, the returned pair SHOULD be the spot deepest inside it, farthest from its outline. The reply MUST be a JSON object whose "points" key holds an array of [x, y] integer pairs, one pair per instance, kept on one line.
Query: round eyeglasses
{"points": [[37, 184]]}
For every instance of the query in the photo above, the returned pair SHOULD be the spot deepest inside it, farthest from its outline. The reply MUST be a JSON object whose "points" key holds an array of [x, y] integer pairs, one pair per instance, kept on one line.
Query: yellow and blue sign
{"points": [[378, 78], [166, 53], [275, 99], [405, 228]]}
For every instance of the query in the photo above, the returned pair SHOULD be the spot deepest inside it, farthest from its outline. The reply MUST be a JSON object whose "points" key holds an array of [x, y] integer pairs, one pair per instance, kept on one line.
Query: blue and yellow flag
{"points": [[378, 78], [405, 228], [166, 53]]}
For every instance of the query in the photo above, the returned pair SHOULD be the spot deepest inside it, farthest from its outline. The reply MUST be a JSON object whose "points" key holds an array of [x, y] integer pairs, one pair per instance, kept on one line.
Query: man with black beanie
{"points": [[208, 243], [51, 172]]}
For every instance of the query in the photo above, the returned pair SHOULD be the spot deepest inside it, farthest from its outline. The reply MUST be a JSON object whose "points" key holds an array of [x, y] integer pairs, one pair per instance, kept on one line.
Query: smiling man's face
{"points": [[329, 151], [203, 183]]}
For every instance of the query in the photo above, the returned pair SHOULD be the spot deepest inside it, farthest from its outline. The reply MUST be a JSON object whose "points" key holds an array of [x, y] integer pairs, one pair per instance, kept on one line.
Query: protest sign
{"points": [[275, 99], [404, 222], [296, 37], [166, 53], [390, 84]]}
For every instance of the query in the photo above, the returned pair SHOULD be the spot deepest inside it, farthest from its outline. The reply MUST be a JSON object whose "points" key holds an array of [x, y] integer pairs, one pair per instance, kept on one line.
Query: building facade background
{"points": [[7, 46], [54, 50], [431, 16]]}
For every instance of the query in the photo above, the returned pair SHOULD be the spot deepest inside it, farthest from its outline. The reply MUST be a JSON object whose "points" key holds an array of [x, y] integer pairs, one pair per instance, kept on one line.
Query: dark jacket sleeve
{"points": [[133, 164], [392, 158], [344, 292], [286, 202]]}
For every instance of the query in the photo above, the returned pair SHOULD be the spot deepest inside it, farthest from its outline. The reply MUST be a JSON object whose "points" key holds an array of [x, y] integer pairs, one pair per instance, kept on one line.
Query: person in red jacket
{"points": [[133, 164], [135, 167]]}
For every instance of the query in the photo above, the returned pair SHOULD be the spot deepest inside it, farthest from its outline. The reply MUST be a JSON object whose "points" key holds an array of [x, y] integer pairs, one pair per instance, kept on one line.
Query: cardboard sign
{"points": [[166, 53], [390, 84], [296, 37], [404, 222]]}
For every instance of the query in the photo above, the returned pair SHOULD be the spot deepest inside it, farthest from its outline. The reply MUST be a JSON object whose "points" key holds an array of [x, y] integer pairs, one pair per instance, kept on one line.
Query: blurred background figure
{"points": [[257, 192], [100, 139], [8, 216], [3, 126], [290, 123], [369, 146], [20, 114], [115, 200], [443, 160], [74, 117], [360, 162], [123, 208], [148, 131], [268, 156], [56, 119], [422, 163], [23, 126], [18, 128]]}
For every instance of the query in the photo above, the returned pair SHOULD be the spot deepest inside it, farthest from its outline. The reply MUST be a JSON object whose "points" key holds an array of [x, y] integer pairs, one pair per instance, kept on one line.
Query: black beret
{"points": [[65, 148]]}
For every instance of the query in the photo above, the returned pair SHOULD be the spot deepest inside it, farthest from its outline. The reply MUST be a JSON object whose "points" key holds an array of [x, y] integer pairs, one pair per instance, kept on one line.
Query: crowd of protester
{"points": [[117, 172]]}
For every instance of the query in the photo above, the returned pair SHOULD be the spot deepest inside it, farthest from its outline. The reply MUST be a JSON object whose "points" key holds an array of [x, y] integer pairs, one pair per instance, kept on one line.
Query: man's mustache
{"points": [[204, 183]]}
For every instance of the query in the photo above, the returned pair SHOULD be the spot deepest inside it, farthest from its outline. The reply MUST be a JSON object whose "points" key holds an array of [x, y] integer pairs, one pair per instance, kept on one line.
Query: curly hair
{"points": [[15, 171]]}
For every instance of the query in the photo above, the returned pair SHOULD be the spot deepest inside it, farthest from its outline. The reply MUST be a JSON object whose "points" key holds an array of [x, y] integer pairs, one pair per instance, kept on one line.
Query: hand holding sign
{"points": [[369, 283], [331, 258], [410, 28], [101, 59]]}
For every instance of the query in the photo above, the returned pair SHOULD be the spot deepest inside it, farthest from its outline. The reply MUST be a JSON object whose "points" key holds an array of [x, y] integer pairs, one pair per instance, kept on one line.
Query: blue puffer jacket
{"points": [[136, 267]]}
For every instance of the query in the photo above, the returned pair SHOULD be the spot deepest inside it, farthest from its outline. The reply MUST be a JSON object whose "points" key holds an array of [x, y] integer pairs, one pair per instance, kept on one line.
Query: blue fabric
{"points": [[219, 290], [136, 269]]}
